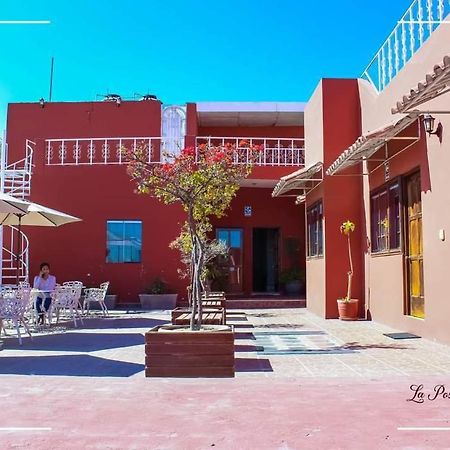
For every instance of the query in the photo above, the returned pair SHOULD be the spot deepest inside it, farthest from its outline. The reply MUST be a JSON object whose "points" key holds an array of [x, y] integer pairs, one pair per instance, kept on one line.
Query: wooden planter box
{"points": [[189, 354], [211, 316]]}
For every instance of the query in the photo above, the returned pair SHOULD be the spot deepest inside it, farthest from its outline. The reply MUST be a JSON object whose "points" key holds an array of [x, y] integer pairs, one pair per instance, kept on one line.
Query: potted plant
{"points": [[110, 298], [203, 181], [348, 306], [157, 296], [293, 280]]}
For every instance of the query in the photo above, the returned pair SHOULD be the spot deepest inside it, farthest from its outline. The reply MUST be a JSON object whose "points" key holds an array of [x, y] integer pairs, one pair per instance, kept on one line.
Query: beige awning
{"points": [[365, 146], [299, 182], [435, 84]]}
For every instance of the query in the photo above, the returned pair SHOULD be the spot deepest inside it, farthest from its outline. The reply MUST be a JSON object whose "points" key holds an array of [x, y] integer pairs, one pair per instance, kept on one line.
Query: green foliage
{"points": [[292, 274], [158, 286], [347, 227]]}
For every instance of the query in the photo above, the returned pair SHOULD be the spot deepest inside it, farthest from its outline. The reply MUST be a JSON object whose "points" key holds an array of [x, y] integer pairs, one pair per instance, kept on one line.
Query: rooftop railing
{"points": [[412, 30], [107, 151]]}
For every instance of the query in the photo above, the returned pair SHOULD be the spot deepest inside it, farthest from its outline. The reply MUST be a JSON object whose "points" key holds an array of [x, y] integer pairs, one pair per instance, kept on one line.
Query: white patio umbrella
{"points": [[17, 212]]}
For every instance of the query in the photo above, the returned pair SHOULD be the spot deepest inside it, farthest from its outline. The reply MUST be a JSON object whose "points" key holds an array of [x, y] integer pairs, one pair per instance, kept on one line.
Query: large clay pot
{"points": [[348, 310]]}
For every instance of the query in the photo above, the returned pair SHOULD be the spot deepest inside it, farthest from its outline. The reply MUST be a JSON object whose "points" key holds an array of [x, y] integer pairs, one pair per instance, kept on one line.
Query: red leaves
{"points": [[188, 151], [167, 167], [219, 156]]}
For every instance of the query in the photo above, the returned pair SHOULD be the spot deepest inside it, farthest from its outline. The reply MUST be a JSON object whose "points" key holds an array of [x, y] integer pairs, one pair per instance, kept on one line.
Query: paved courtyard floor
{"points": [[301, 382]]}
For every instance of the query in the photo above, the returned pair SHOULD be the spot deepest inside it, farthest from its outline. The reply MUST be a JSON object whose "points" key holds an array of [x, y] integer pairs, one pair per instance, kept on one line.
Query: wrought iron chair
{"points": [[13, 306], [79, 286], [96, 295], [65, 298]]}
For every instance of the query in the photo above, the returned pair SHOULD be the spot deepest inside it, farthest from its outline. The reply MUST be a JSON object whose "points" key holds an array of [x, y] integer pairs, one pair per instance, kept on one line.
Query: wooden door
{"points": [[414, 247]]}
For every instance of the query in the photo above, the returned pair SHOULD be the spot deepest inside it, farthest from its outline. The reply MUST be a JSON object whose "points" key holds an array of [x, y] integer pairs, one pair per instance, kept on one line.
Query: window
{"points": [[314, 221], [123, 241], [386, 222]]}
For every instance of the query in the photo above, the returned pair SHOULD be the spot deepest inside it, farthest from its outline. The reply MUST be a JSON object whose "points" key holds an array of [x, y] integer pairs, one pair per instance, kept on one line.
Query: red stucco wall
{"points": [[100, 193]]}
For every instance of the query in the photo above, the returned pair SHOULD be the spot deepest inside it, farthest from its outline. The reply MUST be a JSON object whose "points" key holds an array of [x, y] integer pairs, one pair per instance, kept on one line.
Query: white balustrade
{"points": [[96, 151], [412, 30]]}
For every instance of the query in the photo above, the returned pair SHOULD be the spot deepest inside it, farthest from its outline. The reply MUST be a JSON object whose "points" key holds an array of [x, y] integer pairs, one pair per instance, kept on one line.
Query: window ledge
{"points": [[386, 253], [313, 258]]}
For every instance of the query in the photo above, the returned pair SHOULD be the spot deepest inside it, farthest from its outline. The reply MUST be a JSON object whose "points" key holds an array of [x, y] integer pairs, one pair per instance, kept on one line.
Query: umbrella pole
{"points": [[19, 229]]}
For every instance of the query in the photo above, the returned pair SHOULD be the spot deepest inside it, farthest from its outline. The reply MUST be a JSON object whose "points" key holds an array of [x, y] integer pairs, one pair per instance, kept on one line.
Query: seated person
{"points": [[46, 283]]}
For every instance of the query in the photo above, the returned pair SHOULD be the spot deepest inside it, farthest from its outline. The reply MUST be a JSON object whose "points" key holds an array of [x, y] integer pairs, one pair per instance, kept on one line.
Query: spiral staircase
{"points": [[15, 180]]}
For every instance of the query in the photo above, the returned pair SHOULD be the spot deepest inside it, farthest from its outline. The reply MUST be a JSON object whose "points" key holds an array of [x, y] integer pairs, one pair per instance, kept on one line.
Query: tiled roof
{"points": [[303, 179], [435, 84], [366, 145]]}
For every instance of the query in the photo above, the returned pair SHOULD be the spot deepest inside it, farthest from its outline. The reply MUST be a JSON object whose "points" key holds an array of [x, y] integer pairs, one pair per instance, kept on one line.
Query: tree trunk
{"points": [[350, 273], [197, 260]]}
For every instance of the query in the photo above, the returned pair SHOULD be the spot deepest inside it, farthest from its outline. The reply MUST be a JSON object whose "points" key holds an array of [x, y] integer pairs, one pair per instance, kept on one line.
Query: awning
{"points": [[435, 84], [365, 146], [299, 182]]}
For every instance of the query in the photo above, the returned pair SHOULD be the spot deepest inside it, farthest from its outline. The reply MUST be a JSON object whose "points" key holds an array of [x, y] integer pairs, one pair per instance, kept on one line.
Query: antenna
{"points": [[51, 81]]}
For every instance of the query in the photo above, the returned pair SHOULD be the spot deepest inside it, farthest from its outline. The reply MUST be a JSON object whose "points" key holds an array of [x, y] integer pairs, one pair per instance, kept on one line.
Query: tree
{"points": [[204, 181]]}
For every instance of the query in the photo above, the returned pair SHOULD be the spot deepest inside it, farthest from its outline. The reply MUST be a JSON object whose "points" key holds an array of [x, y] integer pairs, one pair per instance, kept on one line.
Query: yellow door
{"points": [[414, 247]]}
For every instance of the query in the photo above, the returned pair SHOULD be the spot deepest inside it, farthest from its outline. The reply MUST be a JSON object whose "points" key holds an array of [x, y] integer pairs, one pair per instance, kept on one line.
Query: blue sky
{"points": [[192, 50]]}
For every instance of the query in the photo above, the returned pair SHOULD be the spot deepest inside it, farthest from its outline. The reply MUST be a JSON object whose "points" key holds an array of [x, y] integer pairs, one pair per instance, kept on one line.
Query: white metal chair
{"points": [[96, 295], [65, 298], [13, 306], [79, 286]]}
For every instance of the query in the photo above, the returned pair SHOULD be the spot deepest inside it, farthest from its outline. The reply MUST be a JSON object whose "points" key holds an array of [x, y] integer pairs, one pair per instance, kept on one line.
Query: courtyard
{"points": [[301, 382]]}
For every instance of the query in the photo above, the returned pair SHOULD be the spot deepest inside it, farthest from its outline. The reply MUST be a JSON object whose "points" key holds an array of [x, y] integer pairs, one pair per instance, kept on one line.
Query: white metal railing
{"points": [[16, 177], [274, 151], [95, 151], [15, 180], [9, 255], [411, 31]]}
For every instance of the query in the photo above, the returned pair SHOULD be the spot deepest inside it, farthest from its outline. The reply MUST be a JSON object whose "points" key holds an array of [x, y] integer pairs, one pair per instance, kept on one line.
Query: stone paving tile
{"points": [[270, 343]]}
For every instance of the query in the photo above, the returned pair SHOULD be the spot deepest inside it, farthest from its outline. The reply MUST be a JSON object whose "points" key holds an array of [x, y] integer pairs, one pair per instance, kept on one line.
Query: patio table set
{"points": [[72, 299]]}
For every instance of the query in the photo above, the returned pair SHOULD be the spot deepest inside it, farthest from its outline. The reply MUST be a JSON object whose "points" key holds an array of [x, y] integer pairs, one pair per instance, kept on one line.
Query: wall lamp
{"points": [[428, 123], [41, 102]]}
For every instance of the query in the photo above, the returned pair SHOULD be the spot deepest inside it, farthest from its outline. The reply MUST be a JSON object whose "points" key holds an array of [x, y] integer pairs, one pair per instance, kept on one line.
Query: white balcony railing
{"points": [[274, 151], [411, 31], [107, 151]]}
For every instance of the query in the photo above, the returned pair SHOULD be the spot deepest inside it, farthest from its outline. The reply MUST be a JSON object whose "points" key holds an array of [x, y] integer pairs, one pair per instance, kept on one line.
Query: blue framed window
{"points": [[123, 241]]}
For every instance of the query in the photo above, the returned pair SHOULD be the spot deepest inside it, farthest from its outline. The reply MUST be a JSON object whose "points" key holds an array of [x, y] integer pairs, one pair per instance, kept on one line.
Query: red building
{"points": [[124, 237], [375, 153]]}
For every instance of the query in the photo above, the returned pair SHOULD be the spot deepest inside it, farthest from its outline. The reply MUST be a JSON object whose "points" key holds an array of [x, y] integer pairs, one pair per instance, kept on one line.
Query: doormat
{"points": [[401, 336]]}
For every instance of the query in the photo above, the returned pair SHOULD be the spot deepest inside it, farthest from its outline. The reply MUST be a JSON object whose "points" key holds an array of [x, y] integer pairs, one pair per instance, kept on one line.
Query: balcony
{"points": [[281, 152], [412, 30]]}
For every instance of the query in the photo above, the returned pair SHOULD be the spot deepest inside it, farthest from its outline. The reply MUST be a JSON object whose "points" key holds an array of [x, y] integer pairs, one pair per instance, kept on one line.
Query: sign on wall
{"points": [[247, 211]]}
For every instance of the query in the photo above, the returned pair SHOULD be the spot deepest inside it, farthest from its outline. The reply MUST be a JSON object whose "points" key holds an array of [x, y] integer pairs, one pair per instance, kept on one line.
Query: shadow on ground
{"points": [[280, 325], [358, 346], [67, 365], [122, 322], [248, 348], [252, 365], [75, 342]]}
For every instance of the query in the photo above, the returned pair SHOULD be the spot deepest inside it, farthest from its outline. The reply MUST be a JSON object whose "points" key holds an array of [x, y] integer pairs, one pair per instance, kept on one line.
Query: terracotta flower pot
{"points": [[348, 310]]}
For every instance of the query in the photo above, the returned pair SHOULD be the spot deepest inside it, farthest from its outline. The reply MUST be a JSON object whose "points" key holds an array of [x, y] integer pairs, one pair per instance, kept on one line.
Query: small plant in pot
{"points": [[348, 306], [293, 280], [157, 296]]}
